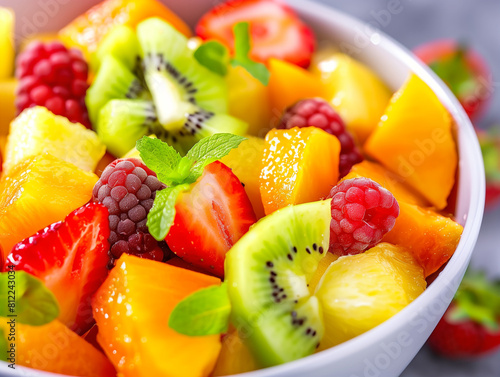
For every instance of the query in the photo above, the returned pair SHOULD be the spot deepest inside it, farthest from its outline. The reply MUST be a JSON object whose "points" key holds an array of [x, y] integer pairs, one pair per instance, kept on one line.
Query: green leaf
{"points": [[242, 47], [210, 149], [161, 216], [33, 303], [159, 157], [214, 56], [205, 312], [3, 346]]}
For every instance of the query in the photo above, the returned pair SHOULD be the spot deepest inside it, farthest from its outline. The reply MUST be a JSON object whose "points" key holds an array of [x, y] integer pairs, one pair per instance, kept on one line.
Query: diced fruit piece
{"points": [[300, 165], [431, 237], [267, 283], [121, 42], [354, 90], [132, 309], [464, 70], [275, 29], [127, 188], [87, 30], [413, 150], [359, 292], [38, 192], [235, 357], [103, 163], [7, 104], [210, 218], [50, 75], [71, 258], [289, 84], [246, 163], [316, 112], [248, 100], [389, 180], [7, 51], [322, 267], [36, 130], [362, 213], [55, 348]]}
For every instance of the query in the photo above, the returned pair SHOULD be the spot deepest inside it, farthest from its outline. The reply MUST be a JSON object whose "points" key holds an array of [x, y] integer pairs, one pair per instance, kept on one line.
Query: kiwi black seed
{"points": [[267, 273]]}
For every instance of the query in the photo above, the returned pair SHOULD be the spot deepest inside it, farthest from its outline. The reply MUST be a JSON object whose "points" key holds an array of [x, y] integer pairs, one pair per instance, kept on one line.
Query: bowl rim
{"points": [[463, 252]]}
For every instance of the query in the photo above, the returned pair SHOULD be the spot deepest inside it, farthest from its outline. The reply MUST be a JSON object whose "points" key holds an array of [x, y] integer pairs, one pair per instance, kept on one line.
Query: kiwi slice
{"points": [[178, 84], [267, 273], [113, 81], [121, 43]]}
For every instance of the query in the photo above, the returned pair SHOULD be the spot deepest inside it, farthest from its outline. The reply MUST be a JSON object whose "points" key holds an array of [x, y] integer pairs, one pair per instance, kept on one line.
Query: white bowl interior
{"points": [[388, 348]]}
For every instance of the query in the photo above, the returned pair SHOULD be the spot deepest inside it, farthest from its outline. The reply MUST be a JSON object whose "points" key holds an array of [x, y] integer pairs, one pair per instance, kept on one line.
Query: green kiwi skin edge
{"points": [[286, 327]]}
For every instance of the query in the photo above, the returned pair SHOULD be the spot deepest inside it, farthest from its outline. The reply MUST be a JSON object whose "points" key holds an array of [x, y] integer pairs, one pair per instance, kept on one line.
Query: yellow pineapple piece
{"points": [[38, 192], [7, 52], [359, 292], [36, 130]]}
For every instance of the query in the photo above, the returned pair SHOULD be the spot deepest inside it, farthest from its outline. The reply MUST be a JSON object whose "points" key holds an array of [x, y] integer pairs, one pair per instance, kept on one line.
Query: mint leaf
{"points": [[3, 346], [242, 47], [214, 56], [34, 303], [210, 149], [159, 157], [161, 216], [205, 312]]}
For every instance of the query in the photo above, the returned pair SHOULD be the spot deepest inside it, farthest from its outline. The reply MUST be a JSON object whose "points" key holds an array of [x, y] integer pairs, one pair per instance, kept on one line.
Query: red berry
{"points": [[316, 112], [127, 188], [362, 213], [51, 75]]}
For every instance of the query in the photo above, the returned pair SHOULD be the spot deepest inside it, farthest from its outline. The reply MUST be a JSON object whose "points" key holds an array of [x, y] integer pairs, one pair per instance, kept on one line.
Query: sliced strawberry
{"points": [[71, 258], [210, 218], [276, 30], [490, 149], [463, 70]]}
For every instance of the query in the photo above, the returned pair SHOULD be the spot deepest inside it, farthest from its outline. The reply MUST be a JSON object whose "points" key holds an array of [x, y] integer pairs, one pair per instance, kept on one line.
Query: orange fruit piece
{"points": [[55, 348], [300, 165], [288, 84], [38, 192], [431, 237], [387, 179], [235, 357], [246, 163], [86, 31], [415, 140], [7, 105], [132, 309]]}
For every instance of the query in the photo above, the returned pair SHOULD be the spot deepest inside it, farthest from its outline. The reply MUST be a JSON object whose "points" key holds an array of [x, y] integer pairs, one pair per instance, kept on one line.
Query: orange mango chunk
{"points": [[431, 237], [415, 140], [300, 165], [288, 84], [55, 348], [132, 309]]}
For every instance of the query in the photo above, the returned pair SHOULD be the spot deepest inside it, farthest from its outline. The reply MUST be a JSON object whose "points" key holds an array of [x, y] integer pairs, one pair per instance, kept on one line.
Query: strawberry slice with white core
{"points": [[210, 218], [70, 257], [275, 29]]}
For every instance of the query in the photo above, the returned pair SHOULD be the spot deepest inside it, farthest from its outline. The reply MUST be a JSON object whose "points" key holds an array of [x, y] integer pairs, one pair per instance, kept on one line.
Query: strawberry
{"points": [[276, 30], [463, 70], [210, 218], [70, 257], [490, 148], [471, 325]]}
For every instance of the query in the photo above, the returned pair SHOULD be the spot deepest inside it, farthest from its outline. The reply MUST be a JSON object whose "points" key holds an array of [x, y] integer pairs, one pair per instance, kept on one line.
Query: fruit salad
{"points": [[209, 201]]}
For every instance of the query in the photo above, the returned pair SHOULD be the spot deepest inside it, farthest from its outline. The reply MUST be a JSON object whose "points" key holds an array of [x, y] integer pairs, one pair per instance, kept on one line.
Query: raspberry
{"points": [[316, 112], [127, 188], [362, 213], [50, 75]]}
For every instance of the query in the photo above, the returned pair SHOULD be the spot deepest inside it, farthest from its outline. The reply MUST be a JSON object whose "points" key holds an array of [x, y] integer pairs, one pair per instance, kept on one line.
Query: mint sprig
{"points": [[205, 312], [178, 173], [34, 303], [215, 56]]}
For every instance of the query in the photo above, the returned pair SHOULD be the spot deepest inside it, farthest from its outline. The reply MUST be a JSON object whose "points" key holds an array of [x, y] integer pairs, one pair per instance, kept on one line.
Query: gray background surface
{"points": [[477, 23]]}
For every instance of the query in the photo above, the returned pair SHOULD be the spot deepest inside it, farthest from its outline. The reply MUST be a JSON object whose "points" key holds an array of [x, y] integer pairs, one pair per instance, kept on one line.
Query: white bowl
{"points": [[387, 349]]}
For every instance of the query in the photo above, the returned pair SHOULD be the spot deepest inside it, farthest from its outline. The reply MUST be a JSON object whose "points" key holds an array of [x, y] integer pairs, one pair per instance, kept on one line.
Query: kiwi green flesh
{"points": [[112, 81], [122, 122], [175, 79], [267, 273]]}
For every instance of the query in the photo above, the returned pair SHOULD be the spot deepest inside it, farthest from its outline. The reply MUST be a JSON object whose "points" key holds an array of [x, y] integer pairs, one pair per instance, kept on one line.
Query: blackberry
{"points": [[127, 188], [316, 112]]}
